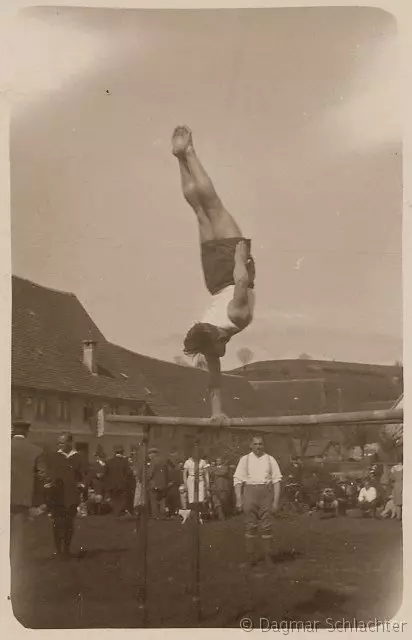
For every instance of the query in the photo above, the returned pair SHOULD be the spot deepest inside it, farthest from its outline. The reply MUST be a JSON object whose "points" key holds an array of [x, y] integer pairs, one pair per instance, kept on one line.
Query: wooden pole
{"points": [[328, 419]]}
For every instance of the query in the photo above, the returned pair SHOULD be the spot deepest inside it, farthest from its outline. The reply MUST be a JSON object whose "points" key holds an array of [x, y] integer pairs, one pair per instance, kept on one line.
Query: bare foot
{"points": [[181, 140]]}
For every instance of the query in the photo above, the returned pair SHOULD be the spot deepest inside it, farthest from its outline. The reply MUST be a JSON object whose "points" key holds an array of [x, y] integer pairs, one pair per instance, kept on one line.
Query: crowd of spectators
{"points": [[115, 484], [368, 494], [69, 485]]}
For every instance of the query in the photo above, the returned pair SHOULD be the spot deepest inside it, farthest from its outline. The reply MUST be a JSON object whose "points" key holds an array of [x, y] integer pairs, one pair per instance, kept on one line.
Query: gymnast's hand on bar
{"points": [[219, 417]]}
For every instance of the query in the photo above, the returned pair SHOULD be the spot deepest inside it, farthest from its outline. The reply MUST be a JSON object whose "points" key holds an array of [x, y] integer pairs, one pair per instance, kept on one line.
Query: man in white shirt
{"points": [[367, 497], [257, 488]]}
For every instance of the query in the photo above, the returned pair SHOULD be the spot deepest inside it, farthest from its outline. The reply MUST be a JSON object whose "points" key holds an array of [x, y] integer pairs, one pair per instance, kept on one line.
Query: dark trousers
{"points": [[221, 502], [173, 500], [157, 502], [63, 527], [118, 499], [368, 507], [18, 520]]}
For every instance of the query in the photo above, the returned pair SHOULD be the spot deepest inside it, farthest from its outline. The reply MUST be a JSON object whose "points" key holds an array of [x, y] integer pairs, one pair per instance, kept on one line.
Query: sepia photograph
{"points": [[206, 423]]}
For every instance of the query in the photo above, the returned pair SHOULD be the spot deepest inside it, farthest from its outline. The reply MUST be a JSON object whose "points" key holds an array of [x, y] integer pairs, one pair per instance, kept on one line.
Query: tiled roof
{"points": [[347, 386], [289, 397], [183, 389], [48, 328]]}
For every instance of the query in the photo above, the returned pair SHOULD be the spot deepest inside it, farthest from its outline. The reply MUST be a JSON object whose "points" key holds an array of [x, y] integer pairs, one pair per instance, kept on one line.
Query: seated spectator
{"points": [[367, 499], [390, 510], [341, 496], [352, 492], [310, 489], [328, 502], [397, 477]]}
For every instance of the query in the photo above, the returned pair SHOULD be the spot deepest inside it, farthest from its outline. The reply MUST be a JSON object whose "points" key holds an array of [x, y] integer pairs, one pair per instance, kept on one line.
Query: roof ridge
{"points": [[314, 361], [152, 358], [42, 286]]}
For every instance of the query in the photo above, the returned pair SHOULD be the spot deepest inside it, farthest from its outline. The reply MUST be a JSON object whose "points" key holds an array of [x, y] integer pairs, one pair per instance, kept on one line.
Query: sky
{"points": [[295, 114]]}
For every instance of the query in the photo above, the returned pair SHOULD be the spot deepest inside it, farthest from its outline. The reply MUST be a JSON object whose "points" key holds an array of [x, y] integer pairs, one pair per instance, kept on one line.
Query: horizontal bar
{"points": [[327, 419]]}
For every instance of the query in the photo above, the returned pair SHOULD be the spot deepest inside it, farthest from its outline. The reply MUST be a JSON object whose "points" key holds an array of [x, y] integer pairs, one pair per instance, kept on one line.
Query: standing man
{"points": [[66, 482], [26, 471], [228, 267], [175, 480], [257, 487], [220, 488], [117, 480], [158, 481]]}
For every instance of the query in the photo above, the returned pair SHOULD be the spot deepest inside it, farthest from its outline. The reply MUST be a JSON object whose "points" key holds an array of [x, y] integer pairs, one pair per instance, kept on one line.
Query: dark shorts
{"points": [[218, 261]]}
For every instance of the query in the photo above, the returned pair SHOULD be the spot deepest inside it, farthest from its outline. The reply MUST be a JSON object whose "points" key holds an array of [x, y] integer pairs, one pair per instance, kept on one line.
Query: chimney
{"points": [[89, 355]]}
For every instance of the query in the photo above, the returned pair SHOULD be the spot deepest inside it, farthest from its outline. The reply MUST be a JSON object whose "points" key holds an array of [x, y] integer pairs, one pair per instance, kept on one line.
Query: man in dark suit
{"points": [[175, 480], [65, 482], [26, 470], [158, 480], [117, 480]]}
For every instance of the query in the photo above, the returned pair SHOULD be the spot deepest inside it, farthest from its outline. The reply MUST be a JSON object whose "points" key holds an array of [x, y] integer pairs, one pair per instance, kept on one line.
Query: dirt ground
{"points": [[324, 571]]}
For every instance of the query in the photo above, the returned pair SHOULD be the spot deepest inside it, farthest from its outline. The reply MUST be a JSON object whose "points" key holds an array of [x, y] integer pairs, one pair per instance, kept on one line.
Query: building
{"points": [[64, 370], [324, 386], [299, 386]]}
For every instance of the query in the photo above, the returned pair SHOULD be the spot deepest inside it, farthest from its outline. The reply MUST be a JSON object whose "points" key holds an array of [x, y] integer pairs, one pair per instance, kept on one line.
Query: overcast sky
{"points": [[294, 114]]}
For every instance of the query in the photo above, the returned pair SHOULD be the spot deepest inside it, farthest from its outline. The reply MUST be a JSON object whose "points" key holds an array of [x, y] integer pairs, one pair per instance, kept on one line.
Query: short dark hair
{"points": [[20, 428], [67, 435], [200, 338]]}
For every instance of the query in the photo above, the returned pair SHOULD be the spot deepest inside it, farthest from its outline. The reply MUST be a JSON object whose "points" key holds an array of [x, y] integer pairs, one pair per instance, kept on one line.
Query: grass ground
{"points": [[325, 570]]}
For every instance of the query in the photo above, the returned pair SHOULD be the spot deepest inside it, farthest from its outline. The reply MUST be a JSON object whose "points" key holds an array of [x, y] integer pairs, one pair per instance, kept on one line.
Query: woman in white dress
{"points": [[189, 480]]}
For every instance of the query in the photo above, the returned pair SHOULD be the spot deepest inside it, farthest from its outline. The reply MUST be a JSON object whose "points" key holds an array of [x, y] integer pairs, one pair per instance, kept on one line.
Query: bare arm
{"points": [[241, 277], [238, 480], [215, 384], [207, 482], [238, 494], [277, 477], [276, 496]]}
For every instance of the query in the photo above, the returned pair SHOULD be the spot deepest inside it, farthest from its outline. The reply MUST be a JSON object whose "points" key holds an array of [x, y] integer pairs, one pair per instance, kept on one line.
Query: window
{"points": [[17, 407], [41, 408], [83, 449], [88, 412], [63, 410]]}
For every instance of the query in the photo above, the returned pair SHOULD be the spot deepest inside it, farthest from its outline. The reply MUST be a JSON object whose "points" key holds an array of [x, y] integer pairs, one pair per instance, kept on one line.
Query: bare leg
{"points": [[190, 193], [222, 222]]}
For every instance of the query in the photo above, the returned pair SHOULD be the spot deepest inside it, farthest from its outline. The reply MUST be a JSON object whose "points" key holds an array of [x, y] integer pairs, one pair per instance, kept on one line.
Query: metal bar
{"points": [[355, 417], [196, 532], [143, 529]]}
